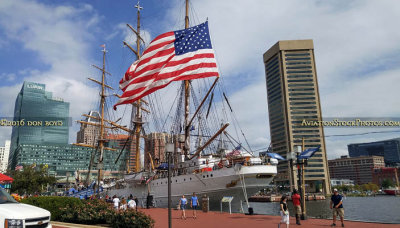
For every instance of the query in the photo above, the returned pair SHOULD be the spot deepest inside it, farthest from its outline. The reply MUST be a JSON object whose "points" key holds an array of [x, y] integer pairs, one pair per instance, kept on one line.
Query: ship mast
{"points": [[136, 115], [186, 147]]}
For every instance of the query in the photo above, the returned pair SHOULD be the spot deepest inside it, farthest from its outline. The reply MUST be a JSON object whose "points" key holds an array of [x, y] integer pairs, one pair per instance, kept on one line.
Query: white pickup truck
{"points": [[19, 215]]}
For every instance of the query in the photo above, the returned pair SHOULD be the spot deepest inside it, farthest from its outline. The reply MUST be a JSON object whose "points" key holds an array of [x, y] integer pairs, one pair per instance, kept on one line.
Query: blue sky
{"points": [[356, 46]]}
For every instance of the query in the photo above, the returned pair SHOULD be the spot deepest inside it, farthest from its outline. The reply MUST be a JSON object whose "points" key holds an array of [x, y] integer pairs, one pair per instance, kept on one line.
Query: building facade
{"points": [[337, 182], [293, 102], [128, 155], [155, 144], [46, 119], [64, 159], [89, 134], [359, 169], [389, 149], [4, 153], [386, 173]]}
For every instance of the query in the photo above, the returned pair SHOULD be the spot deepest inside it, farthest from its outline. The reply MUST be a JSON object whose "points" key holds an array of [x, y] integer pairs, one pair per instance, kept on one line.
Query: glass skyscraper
{"points": [[45, 119], [389, 149]]}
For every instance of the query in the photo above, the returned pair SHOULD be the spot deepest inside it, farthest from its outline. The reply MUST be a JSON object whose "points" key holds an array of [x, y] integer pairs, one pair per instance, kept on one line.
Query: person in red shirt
{"points": [[296, 205]]}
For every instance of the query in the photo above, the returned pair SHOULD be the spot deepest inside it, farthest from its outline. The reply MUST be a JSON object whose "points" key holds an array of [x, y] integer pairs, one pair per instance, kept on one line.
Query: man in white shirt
{"points": [[132, 204], [116, 202]]}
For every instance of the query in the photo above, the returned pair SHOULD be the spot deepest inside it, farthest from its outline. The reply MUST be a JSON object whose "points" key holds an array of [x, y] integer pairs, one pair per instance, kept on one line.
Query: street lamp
{"points": [[169, 149]]}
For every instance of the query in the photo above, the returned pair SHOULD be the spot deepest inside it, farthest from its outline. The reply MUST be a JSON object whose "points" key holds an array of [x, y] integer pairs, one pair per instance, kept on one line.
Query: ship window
{"points": [[190, 178], [204, 162], [176, 180], [204, 176], [184, 179], [211, 175], [207, 175]]}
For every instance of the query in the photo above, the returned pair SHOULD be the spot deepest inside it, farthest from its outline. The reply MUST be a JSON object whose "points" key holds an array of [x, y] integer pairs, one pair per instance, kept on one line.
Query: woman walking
{"points": [[284, 212], [183, 203]]}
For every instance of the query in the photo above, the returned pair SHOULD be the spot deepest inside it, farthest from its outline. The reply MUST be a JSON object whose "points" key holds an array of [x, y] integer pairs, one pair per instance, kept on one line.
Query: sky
{"points": [[356, 45]]}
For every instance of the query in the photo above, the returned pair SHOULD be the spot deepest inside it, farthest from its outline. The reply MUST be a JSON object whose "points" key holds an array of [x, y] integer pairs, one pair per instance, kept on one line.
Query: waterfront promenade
{"points": [[217, 219]]}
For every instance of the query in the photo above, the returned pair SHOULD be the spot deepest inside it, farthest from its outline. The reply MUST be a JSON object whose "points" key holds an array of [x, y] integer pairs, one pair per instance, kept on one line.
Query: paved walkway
{"points": [[220, 220]]}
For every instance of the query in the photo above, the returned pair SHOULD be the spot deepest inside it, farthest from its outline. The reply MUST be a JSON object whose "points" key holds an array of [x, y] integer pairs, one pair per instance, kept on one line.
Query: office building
{"points": [[128, 155], [89, 134], [293, 102], [4, 152], [359, 169], [389, 149], [154, 147], [45, 119], [64, 158]]}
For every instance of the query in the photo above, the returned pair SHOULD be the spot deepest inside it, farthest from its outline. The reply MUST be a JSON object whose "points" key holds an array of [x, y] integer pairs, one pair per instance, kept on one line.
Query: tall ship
{"points": [[201, 153]]}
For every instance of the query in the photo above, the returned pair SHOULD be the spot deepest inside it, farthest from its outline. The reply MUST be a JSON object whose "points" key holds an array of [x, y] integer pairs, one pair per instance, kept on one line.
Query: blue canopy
{"points": [[308, 153], [276, 156], [164, 166]]}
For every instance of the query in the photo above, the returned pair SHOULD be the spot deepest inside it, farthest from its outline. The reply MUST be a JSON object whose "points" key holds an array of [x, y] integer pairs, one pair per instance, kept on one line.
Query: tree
{"points": [[31, 179], [387, 183]]}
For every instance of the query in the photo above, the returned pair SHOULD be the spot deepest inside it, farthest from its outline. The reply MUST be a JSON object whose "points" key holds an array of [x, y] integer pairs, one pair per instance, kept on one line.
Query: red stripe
{"points": [[197, 56], [162, 36], [188, 68], [157, 46], [157, 55]]}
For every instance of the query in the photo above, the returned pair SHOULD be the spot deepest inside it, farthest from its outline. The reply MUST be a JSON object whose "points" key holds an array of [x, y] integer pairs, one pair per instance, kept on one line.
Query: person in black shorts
{"points": [[337, 208]]}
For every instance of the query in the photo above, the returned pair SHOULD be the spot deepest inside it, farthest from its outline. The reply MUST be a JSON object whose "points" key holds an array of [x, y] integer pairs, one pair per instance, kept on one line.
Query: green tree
{"points": [[387, 183], [31, 179]]}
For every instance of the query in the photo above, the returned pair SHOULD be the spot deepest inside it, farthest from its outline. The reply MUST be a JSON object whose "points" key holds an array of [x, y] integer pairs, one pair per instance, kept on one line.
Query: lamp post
{"points": [[169, 149], [301, 181]]}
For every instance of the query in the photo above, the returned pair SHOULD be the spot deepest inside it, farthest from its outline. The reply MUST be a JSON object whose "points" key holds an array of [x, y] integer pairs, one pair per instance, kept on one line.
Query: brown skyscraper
{"points": [[293, 96], [89, 134]]}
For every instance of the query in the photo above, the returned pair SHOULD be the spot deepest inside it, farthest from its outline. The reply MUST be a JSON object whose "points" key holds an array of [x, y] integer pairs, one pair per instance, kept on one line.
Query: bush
{"points": [[74, 210], [131, 219], [53, 204], [90, 212]]}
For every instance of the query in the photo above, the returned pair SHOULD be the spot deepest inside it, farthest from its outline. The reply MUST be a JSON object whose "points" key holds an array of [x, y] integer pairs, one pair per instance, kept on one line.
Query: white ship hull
{"points": [[215, 184]]}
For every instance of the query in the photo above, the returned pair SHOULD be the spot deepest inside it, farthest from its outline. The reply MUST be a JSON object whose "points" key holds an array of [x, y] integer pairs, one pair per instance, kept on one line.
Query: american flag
{"points": [[19, 167], [173, 56]]}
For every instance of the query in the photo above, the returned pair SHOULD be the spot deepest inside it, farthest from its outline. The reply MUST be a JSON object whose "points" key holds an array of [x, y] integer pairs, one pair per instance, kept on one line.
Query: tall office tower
{"points": [[4, 152], [293, 97], [89, 134], [45, 119]]}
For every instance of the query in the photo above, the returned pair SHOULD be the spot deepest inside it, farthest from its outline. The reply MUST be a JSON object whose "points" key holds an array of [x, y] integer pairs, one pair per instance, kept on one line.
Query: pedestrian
{"points": [[194, 203], [124, 205], [116, 202], [284, 212], [131, 203], [337, 208], [183, 203], [296, 205], [136, 202]]}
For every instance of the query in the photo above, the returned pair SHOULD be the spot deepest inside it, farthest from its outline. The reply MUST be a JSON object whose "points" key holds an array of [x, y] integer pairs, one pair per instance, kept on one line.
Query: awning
{"points": [[5, 178]]}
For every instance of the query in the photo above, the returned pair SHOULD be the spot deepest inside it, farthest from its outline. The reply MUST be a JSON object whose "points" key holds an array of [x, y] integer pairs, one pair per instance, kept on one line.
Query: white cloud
{"points": [[60, 37], [356, 48]]}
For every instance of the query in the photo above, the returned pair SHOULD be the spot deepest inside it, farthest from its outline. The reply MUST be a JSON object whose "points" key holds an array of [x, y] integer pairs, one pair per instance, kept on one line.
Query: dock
{"points": [[277, 198], [217, 219]]}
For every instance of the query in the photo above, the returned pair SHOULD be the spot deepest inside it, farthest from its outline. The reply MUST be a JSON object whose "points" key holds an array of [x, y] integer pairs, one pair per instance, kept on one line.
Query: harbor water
{"points": [[383, 209]]}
